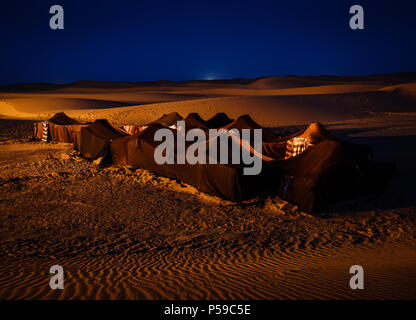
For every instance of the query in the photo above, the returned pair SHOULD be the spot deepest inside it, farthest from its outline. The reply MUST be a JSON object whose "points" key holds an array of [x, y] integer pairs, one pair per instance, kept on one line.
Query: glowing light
{"points": [[210, 77]]}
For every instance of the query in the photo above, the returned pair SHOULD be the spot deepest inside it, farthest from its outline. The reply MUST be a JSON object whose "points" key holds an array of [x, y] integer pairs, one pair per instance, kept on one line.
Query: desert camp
{"points": [[320, 169], [334, 188], [311, 168], [211, 155]]}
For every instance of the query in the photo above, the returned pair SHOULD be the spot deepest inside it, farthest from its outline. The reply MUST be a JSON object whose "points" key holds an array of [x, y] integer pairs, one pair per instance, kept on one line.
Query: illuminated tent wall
{"points": [[226, 181], [94, 141]]}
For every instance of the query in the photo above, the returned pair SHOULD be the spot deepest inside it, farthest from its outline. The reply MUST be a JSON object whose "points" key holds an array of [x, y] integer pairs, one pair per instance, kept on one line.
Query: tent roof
{"points": [[194, 120], [316, 133], [246, 122], [61, 118], [219, 120], [105, 130], [169, 119]]}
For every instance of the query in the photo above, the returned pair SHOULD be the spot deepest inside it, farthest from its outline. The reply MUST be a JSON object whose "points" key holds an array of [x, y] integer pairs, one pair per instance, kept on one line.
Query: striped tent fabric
{"points": [[295, 146], [45, 134], [132, 130]]}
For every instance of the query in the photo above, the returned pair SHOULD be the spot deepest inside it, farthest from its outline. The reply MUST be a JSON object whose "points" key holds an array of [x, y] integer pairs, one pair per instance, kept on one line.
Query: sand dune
{"points": [[284, 83], [7, 110], [272, 101], [270, 111], [36, 104], [407, 90]]}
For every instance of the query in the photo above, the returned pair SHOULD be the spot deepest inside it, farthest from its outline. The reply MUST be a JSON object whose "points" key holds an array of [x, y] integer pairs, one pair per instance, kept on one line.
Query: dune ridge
{"points": [[273, 100], [226, 275]]}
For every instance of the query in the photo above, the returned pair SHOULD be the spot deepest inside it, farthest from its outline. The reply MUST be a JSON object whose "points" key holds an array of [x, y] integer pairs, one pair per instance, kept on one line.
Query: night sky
{"points": [[123, 40]]}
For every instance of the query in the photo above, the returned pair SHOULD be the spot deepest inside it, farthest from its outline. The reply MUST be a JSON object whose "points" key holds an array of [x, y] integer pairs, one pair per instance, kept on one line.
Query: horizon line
{"points": [[58, 84]]}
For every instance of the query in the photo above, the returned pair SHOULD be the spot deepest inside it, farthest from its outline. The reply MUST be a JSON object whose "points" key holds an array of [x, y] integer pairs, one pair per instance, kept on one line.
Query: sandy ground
{"points": [[124, 234]]}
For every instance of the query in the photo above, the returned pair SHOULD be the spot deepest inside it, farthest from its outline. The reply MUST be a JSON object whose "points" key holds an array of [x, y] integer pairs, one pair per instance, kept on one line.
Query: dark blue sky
{"points": [[123, 40]]}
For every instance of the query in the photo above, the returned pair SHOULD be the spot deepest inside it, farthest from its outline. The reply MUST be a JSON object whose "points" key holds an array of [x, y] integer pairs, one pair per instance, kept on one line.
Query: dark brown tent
{"points": [[327, 171], [60, 128], [169, 119], [313, 135], [95, 139], [219, 120], [194, 120], [226, 181], [62, 119], [246, 122]]}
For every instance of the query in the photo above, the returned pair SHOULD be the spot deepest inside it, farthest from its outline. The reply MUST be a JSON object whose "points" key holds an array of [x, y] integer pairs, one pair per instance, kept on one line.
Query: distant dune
{"points": [[407, 90], [270, 100], [284, 83]]}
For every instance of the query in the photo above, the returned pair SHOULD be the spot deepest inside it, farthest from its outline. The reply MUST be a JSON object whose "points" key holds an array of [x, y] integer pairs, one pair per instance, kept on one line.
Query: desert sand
{"points": [[131, 234]]}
